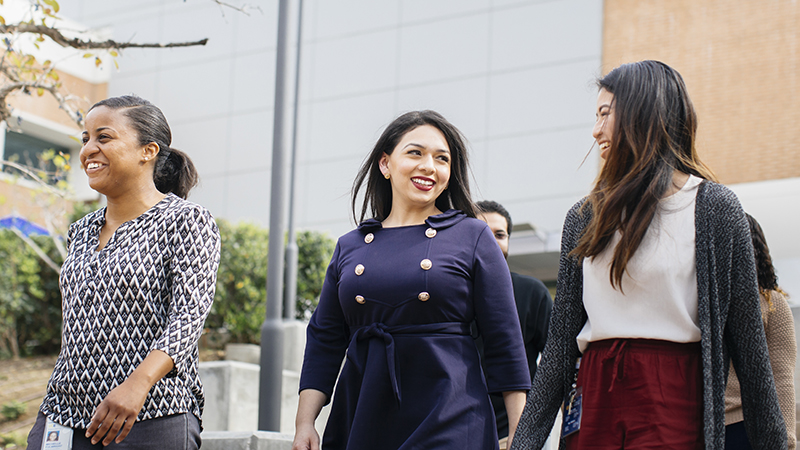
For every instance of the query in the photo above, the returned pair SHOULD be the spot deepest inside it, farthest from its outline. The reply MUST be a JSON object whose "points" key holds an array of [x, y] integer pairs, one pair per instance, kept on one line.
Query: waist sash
{"points": [[378, 333]]}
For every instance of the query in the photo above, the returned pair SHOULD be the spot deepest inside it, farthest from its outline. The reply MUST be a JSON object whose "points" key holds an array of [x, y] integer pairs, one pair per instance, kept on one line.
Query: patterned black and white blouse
{"points": [[150, 288]]}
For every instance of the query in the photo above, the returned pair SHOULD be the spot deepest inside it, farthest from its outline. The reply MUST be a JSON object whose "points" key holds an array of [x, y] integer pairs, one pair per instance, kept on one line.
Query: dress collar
{"points": [[98, 218], [438, 222]]}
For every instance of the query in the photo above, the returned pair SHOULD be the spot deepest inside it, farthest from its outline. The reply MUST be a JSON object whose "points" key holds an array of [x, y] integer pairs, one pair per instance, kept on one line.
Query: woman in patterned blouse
{"points": [[137, 285]]}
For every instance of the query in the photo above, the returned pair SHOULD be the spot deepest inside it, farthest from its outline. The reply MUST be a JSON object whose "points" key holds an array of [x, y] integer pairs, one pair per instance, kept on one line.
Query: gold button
{"points": [[360, 299], [369, 238], [424, 296], [426, 264], [430, 232], [359, 269]]}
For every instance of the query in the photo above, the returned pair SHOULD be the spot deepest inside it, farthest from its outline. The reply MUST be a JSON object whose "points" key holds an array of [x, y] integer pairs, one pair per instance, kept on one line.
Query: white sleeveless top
{"points": [[658, 299]]}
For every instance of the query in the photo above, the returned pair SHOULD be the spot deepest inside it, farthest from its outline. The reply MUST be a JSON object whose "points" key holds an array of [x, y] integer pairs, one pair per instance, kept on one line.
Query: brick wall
{"points": [[741, 62], [84, 95], [34, 205], [18, 198]]}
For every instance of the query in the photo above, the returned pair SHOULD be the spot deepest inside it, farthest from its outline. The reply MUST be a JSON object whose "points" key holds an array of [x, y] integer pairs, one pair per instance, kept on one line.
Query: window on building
{"points": [[27, 150]]}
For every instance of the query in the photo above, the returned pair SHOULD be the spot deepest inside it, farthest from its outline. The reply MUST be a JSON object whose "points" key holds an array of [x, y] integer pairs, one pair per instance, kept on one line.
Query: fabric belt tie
{"points": [[617, 351], [378, 333]]}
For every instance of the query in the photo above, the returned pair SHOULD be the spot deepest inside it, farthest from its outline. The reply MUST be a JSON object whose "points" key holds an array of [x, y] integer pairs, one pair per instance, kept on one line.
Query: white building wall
{"points": [[514, 76], [776, 206]]}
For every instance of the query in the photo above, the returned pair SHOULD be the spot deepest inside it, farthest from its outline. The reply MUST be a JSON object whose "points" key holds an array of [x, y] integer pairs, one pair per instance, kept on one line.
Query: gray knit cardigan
{"points": [[728, 314]]}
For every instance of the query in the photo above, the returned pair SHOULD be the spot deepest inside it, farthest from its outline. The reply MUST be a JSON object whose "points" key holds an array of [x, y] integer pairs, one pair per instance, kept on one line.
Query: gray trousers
{"points": [[177, 432]]}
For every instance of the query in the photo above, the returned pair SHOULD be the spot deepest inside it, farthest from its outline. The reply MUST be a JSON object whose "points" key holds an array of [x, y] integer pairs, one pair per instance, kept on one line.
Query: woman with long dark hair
{"points": [[779, 329], [656, 290], [137, 285], [398, 299]]}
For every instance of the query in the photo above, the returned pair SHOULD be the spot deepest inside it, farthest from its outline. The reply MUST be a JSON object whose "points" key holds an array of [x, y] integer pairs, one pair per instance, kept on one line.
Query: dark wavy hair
{"points": [[655, 128], [174, 171], [378, 190], [767, 280]]}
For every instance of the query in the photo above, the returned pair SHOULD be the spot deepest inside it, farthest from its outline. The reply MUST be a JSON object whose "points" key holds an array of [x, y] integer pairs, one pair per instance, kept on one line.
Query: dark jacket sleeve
{"points": [[533, 306], [744, 335], [493, 297], [557, 368]]}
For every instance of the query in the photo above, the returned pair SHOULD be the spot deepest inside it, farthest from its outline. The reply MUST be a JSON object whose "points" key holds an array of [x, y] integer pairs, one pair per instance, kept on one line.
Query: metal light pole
{"points": [[269, 402], [290, 301]]}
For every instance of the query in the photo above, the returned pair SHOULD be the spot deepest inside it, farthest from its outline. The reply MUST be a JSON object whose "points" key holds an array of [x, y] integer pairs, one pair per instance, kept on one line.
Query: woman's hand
{"points": [[308, 407], [115, 415], [306, 438], [515, 403]]}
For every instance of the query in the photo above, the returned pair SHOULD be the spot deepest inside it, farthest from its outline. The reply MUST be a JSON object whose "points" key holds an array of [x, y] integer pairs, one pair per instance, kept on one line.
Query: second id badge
{"points": [[56, 437], [572, 413]]}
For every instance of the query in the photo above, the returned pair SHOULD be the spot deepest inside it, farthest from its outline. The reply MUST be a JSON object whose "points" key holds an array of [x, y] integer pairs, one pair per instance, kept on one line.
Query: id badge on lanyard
{"points": [[56, 437], [573, 407]]}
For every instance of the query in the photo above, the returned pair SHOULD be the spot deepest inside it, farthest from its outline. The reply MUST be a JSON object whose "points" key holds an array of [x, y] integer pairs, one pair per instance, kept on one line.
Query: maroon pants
{"points": [[640, 394]]}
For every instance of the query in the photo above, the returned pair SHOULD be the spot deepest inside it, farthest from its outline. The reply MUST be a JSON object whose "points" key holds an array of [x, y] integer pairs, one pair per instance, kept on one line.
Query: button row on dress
{"points": [[430, 232], [425, 264], [423, 297]]}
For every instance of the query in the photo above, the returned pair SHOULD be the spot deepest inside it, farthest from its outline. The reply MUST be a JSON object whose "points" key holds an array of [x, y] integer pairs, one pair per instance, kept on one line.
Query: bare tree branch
{"points": [[62, 40], [49, 225], [27, 171], [15, 79], [242, 9], [26, 86], [6, 70]]}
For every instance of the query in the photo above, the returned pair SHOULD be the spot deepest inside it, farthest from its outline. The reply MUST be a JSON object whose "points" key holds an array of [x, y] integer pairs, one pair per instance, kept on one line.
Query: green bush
{"points": [[314, 251], [26, 300], [30, 299], [13, 409], [239, 304], [14, 440], [240, 301]]}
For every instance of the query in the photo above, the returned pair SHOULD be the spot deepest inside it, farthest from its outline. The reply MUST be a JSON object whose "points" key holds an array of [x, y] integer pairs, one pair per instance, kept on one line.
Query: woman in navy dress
{"points": [[399, 295]]}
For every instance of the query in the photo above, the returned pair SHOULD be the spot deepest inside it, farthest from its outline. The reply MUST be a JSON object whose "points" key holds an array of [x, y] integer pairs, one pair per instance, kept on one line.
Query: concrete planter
{"points": [[246, 353], [246, 440]]}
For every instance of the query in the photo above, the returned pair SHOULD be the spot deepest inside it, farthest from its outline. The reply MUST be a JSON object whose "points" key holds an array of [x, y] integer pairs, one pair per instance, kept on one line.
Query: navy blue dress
{"points": [[397, 302]]}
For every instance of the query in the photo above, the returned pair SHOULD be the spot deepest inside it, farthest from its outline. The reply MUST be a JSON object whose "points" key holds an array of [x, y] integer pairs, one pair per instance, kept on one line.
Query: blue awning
{"points": [[25, 227]]}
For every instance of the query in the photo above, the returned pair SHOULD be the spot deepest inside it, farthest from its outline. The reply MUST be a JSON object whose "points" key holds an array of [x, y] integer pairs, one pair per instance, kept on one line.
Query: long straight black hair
{"points": [[654, 135], [378, 190]]}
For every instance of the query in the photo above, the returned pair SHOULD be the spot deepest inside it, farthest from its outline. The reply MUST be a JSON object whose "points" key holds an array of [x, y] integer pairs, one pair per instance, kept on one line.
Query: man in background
{"points": [[533, 306]]}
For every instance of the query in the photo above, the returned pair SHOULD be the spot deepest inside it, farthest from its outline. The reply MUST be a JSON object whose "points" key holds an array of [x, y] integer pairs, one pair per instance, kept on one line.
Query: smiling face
{"points": [[111, 155], [418, 168], [604, 125]]}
